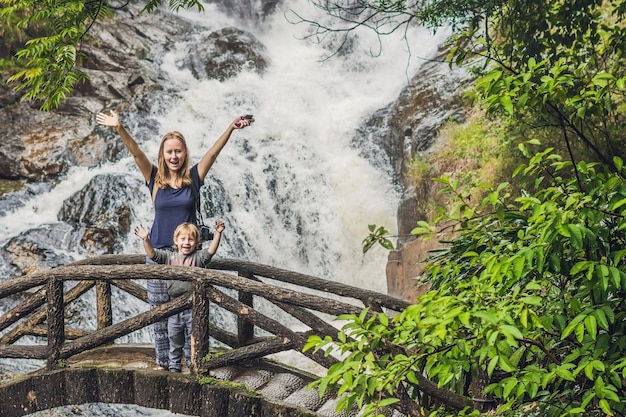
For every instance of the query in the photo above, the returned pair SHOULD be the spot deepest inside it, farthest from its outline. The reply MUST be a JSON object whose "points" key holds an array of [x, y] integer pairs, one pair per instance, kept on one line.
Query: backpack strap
{"points": [[196, 196], [154, 191]]}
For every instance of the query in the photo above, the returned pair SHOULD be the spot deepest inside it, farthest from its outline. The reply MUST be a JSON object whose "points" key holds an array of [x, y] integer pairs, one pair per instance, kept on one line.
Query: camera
{"points": [[205, 233]]}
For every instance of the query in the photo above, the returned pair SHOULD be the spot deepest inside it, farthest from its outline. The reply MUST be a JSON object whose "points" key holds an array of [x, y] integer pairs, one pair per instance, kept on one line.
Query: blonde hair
{"points": [[163, 173], [189, 228]]}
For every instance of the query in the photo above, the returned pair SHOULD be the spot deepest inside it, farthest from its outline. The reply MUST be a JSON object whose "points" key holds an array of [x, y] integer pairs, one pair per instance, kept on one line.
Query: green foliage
{"points": [[47, 35], [526, 310], [174, 5], [377, 235], [555, 65], [363, 375], [475, 152], [528, 294]]}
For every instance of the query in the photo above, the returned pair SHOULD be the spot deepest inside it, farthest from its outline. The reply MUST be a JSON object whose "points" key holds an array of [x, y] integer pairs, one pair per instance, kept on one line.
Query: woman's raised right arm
{"points": [[142, 161]]}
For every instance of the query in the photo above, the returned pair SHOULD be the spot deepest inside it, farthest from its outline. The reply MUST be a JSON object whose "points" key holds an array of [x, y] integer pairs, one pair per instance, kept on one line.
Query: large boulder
{"points": [[93, 221], [101, 213], [41, 146], [37, 249], [225, 53]]}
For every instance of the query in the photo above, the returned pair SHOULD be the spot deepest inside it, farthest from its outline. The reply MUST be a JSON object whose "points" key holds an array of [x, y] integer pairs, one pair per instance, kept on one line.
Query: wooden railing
{"points": [[43, 313]]}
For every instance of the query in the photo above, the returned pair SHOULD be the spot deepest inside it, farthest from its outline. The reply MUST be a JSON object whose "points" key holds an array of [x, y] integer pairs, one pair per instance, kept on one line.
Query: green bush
{"points": [[526, 313]]}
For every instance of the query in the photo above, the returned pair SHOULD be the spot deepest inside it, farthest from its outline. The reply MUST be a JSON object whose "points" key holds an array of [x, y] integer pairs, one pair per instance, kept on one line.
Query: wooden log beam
{"points": [[104, 310], [38, 317], [24, 351], [168, 272], [70, 333], [15, 285], [125, 327], [199, 326], [369, 298], [245, 329], [267, 324], [319, 326], [247, 353], [228, 338], [132, 288], [23, 309], [120, 259], [56, 320]]}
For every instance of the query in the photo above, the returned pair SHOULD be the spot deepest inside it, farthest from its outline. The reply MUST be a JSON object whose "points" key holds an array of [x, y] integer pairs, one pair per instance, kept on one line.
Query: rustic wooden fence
{"points": [[43, 312]]}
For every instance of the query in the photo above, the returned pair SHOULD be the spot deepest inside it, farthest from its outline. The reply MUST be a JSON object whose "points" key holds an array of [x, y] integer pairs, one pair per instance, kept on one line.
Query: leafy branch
{"points": [[49, 61]]}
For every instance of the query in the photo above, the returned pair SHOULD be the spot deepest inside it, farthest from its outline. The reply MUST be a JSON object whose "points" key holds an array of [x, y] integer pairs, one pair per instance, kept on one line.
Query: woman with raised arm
{"points": [[171, 183]]}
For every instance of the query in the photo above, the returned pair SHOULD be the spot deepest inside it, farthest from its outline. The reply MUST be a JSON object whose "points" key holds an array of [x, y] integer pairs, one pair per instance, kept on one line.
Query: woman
{"points": [[170, 184]]}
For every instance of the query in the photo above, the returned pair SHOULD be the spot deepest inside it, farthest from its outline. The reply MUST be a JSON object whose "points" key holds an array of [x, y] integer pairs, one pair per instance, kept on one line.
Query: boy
{"points": [[186, 244]]}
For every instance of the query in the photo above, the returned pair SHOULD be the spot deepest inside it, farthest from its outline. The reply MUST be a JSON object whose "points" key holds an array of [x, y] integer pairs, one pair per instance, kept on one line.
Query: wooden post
{"points": [[245, 328], [56, 324], [200, 325], [103, 304]]}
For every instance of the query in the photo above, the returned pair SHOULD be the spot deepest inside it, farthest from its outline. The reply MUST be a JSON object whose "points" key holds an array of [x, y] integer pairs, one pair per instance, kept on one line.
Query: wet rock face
{"points": [[248, 10], [101, 213], [393, 136], [37, 249], [94, 221], [225, 53], [40, 146], [411, 124]]}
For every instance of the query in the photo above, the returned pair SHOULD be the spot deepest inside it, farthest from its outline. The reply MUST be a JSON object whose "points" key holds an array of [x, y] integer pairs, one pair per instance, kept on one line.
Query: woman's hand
{"points": [[111, 119], [243, 121]]}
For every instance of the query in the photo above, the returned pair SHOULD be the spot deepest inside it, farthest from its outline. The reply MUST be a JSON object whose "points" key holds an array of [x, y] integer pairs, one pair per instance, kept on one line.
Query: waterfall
{"points": [[293, 191], [300, 197]]}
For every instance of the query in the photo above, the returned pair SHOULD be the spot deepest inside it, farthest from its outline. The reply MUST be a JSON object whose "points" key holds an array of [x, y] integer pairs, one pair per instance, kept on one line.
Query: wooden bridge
{"points": [[74, 372]]}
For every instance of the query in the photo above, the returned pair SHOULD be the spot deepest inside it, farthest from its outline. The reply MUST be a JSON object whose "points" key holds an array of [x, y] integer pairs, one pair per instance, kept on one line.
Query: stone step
{"points": [[282, 386]]}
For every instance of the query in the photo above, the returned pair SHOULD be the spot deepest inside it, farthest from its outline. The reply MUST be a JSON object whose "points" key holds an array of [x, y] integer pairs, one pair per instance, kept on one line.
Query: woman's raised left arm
{"points": [[211, 155]]}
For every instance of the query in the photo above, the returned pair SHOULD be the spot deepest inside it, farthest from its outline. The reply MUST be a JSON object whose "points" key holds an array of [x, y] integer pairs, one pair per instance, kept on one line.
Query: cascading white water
{"points": [[294, 165], [300, 196]]}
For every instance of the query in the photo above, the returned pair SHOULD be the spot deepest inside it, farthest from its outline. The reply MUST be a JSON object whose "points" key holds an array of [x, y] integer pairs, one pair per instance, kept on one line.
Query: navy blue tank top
{"points": [[172, 206]]}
